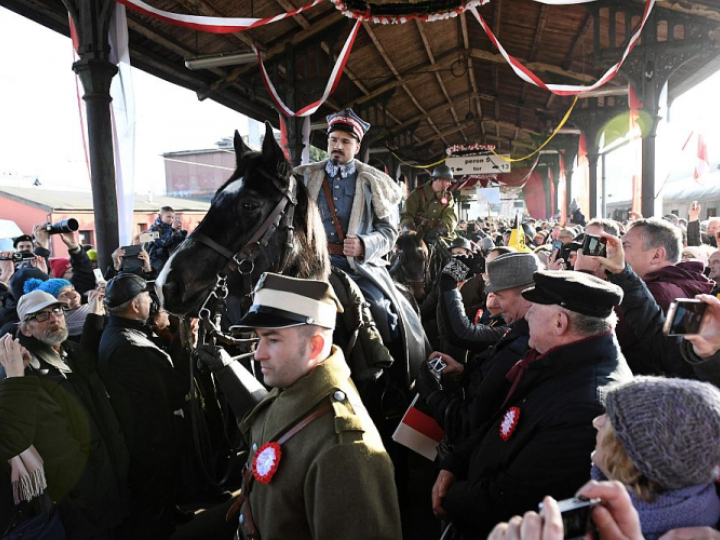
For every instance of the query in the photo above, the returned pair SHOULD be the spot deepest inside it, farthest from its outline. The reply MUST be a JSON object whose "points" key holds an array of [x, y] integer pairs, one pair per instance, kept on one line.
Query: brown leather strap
{"points": [[333, 212], [304, 423], [336, 249]]}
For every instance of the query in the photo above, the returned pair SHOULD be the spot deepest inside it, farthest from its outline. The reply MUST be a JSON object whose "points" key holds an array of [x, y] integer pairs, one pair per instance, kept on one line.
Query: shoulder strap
{"points": [[333, 212], [304, 423]]}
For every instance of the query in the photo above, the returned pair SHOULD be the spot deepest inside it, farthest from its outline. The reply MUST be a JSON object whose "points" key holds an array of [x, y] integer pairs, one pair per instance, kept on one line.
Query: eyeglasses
{"points": [[45, 315]]}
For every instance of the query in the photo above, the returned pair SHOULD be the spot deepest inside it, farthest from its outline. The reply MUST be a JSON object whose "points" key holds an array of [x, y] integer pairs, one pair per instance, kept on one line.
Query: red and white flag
{"points": [[419, 432], [702, 165]]}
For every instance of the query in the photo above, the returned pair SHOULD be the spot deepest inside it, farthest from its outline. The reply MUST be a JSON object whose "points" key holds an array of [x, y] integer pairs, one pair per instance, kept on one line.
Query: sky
{"points": [[41, 138], [40, 135]]}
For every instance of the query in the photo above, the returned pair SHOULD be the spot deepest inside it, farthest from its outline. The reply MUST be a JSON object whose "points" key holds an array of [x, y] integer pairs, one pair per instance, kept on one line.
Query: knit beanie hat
{"points": [[17, 282], [59, 266], [670, 428], [51, 286]]}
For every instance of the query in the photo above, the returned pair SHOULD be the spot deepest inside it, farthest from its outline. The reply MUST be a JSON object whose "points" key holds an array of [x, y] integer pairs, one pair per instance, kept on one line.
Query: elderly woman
{"points": [[661, 439]]}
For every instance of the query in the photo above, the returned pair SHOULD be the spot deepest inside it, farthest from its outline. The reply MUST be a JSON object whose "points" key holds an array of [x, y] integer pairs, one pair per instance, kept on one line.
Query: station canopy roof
{"points": [[423, 85]]}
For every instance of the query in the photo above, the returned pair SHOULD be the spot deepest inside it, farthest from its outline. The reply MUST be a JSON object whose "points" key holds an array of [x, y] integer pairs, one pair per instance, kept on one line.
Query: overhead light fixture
{"points": [[220, 60]]}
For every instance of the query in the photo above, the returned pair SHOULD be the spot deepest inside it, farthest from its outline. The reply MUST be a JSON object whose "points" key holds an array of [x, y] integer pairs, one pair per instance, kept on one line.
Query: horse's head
{"points": [[412, 261], [239, 209]]}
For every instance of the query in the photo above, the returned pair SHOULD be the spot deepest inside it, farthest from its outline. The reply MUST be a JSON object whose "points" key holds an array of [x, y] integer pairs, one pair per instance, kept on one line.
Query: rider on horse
{"points": [[430, 209], [356, 203]]}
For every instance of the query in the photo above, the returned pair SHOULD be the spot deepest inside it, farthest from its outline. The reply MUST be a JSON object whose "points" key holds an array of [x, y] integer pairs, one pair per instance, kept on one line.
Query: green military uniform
{"points": [[423, 211], [334, 478]]}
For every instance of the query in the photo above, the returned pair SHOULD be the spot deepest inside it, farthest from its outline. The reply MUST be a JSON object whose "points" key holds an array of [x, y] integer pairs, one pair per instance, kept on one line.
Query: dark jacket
{"points": [[70, 421], [684, 280], [548, 452], [693, 233], [161, 248], [82, 278]]}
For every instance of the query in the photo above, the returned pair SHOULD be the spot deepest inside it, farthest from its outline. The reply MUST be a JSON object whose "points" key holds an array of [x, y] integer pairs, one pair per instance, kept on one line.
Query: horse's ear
{"points": [[240, 147], [271, 151]]}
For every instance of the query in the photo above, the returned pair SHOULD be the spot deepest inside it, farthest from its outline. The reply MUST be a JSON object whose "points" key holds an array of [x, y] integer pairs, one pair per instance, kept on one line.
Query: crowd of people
{"points": [[559, 377]]}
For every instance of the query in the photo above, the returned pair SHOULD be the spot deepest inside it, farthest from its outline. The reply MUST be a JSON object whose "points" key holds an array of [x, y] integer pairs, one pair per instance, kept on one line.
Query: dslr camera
{"points": [[69, 225]]}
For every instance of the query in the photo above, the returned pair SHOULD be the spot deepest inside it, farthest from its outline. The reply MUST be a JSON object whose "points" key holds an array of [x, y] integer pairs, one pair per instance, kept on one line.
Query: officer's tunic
{"points": [[334, 478], [423, 210]]}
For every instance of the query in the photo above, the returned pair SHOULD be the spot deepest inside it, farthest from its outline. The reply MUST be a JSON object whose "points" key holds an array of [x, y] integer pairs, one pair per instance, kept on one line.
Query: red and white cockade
{"points": [[509, 423], [266, 462]]}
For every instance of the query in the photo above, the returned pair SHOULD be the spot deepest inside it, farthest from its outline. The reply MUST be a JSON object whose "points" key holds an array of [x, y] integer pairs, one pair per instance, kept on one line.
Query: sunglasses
{"points": [[45, 315]]}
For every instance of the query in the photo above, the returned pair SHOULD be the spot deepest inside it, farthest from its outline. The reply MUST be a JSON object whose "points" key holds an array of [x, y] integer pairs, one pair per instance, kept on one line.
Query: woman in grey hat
{"points": [[661, 439]]}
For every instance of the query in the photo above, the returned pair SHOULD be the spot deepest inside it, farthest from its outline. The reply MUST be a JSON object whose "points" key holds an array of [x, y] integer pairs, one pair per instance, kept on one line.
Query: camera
{"points": [[69, 225], [594, 246], [576, 517], [684, 317], [21, 259]]}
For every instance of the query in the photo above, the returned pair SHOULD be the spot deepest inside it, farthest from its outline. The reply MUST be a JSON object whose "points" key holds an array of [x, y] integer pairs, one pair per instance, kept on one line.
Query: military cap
{"points": [[22, 238], [443, 171], [347, 121], [461, 242], [511, 270], [575, 291], [123, 288], [282, 301]]}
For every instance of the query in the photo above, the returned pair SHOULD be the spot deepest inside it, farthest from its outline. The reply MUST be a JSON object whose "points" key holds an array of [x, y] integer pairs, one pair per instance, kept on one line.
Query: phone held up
{"points": [[130, 261], [149, 236], [594, 246], [557, 246], [437, 364], [684, 317], [576, 517]]}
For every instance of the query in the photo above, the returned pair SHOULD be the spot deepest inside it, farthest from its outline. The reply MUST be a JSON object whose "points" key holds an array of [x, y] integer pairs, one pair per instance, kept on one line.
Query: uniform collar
{"points": [[303, 396], [340, 170]]}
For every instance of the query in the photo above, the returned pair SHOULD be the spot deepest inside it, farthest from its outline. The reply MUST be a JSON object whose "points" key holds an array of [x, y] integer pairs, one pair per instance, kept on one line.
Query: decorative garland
{"points": [[214, 25], [563, 89], [469, 149], [332, 83], [430, 166], [402, 12]]}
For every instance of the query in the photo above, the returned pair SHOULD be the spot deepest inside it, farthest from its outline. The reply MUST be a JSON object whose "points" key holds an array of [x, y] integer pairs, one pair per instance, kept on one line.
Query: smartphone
{"points": [[594, 246], [437, 364], [130, 261], [149, 236], [99, 278], [557, 246], [684, 317], [131, 251], [576, 517]]}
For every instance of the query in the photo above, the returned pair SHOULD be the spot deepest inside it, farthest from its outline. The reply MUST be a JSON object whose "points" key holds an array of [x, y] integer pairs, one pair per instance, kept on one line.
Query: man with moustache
{"points": [[357, 203], [57, 423]]}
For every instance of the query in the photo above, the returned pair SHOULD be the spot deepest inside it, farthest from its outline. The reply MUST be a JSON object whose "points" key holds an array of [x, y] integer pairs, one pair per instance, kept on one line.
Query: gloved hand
{"points": [[453, 273], [214, 358], [434, 234]]}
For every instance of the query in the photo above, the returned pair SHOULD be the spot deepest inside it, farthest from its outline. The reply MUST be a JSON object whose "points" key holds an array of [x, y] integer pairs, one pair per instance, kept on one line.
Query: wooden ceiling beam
{"points": [[201, 7], [584, 29], [471, 71], [431, 57], [542, 20], [381, 50], [498, 125]]}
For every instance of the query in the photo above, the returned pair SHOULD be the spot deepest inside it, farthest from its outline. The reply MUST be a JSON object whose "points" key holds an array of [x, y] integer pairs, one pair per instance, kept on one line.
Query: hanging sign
{"points": [[479, 164]]}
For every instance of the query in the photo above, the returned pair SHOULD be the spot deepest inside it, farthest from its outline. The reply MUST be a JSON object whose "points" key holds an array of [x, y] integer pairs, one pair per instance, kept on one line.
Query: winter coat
{"points": [[376, 198], [423, 210], [507, 468], [334, 478], [161, 248], [71, 423], [684, 280]]}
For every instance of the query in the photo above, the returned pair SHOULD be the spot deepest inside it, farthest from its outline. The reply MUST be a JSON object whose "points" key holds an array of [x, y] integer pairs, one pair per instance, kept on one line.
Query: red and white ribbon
{"points": [[564, 2], [214, 25], [564, 89], [329, 88]]}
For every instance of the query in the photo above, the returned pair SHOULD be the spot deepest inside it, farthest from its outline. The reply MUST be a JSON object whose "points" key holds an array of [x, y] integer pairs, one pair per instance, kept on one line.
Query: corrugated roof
{"points": [[79, 201]]}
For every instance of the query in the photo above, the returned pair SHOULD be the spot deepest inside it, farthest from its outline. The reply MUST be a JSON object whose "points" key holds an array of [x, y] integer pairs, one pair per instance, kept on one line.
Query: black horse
{"points": [[261, 193]]}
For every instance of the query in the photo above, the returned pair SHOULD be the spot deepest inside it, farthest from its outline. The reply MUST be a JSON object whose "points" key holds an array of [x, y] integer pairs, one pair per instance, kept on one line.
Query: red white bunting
{"points": [[564, 89], [329, 88], [214, 25]]}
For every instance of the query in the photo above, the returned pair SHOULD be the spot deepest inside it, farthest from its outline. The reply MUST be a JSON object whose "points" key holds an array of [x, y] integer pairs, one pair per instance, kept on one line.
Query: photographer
{"points": [[79, 272], [120, 264], [172, 234]]}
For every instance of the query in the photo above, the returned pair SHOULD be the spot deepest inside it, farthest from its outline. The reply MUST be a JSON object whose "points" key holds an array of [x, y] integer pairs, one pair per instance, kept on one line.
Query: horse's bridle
{"points": [[244, 260]]}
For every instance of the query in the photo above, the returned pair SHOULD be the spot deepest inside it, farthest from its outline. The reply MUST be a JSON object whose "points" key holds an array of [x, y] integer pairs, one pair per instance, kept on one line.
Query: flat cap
{"points": [[283, 301], [124, 287], [511, 270], [576, 291]]}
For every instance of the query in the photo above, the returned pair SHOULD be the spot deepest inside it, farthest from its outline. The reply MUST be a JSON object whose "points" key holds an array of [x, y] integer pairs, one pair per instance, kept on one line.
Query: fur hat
{"points": [[670, 428]]}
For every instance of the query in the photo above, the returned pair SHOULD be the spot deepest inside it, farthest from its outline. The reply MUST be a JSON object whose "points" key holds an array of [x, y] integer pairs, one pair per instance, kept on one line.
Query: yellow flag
{"points": [[517, 237]]}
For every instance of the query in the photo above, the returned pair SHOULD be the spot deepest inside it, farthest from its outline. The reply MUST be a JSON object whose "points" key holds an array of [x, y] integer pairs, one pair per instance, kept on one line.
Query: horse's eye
{"points": [[249, 206]]}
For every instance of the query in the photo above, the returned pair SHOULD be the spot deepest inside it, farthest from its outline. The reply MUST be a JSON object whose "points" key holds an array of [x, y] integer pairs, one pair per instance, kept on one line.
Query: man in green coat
{"points": [[317, 468], [430, 209]]}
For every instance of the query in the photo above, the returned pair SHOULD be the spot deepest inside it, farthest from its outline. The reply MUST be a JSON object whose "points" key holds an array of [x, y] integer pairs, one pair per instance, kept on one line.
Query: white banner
{"points": [[483, 164], [123, 117]]}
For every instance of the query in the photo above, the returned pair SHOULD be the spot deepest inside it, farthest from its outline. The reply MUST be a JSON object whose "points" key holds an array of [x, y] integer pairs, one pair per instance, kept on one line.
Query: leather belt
{"points": [[335, 249]]}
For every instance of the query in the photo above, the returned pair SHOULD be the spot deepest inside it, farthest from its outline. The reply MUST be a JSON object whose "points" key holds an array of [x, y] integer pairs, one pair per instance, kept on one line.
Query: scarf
{"points": [[340, 170], [75, 319], [27, 475], [691, 506]]}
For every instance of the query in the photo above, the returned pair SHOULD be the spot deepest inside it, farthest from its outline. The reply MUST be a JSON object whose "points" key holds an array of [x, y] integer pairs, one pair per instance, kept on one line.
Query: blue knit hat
{"points": [[51, 286]]}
